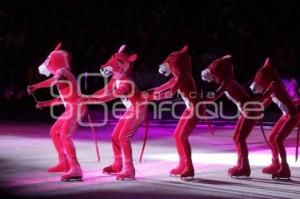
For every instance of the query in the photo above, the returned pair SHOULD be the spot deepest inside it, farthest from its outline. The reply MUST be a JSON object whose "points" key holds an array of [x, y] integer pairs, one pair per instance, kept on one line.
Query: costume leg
{"points": [[181, 166], [117, 165], [240, 141], [284, 171], [235, 136], [189, 124], [274, 166], [63, 164], [68, 128], [132, 123]]}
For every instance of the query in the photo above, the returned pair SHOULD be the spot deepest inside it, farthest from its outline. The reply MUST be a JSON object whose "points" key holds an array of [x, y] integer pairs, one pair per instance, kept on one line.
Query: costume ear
{"points": [[227, 57], [184, 49], [122, 48], [58, 46], [267, 62], [133, 57]]}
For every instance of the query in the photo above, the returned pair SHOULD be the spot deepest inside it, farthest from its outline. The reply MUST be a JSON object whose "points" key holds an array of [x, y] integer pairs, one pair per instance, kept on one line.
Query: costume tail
{"points": [[145, 137], [35, 98], [94, 135], [263, 132], [297, 143], [208, 124]]}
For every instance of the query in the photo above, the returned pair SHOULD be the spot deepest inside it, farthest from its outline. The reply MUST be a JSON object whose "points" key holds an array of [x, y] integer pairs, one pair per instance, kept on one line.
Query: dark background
{"points": [[93, 30]]}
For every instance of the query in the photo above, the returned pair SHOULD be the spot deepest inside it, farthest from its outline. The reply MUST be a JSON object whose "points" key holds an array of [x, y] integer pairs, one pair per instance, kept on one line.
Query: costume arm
{"points": [[166, 86], [219, 92], [268, 91], [267, 101], [104, 91], [52, 102], [45, 84], [174, 85], [113, 94], [265, 97], [162, 91]]}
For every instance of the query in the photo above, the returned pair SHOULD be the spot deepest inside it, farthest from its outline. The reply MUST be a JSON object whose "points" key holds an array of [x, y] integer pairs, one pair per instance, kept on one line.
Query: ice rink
{"points": [[26, 152]]}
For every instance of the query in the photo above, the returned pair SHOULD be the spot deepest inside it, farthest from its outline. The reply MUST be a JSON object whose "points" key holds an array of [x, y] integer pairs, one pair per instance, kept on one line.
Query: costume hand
{"points": [[40, 105], [156, 96], [86, 99], [30, 89], [147, 95], [150, 91]]}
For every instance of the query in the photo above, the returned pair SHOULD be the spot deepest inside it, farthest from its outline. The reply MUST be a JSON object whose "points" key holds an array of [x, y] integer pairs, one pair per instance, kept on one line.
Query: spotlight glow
{"points": [[257, 158]]}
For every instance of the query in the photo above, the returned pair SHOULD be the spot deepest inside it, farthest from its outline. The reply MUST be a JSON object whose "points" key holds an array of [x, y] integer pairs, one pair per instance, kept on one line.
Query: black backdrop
{"points": [[92, 30]]}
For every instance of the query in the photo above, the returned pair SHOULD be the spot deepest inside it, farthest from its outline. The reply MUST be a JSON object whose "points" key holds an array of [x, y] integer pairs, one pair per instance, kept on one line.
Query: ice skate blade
{"points": [[174, 175], [125, 179], [73, 179], [108, 173], [240, 177], [278, 178], [187, 178]]}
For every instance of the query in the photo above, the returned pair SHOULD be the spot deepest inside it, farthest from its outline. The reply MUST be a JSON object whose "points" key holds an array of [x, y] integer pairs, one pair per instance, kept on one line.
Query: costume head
{"points": [[219, 70], [264, 76], [55, 60], [119, 65], [176, 63]]}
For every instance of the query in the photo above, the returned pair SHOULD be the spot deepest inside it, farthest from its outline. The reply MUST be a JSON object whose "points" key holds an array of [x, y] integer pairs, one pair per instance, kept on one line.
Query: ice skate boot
{"points": [[188, 172], [234, 168], [128, 172], [74, 174], [62, 166], [243, 171], [283, 173], [272, 168], [116, 167], [178, 170]]}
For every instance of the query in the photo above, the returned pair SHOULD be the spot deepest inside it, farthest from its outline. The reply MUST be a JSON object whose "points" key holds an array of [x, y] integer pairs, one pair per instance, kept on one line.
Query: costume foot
{"points": [[60, 167], [113, 169], [283, 173], [127, 174], [75, 178], [187, 173], [240, 172], [233, 169], [74, 173], [177, 171], [272, 168]]}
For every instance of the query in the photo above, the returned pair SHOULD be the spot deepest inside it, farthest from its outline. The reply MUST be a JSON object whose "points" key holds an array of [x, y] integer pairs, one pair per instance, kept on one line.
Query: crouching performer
{"points": [[268, 77], [57, 64], [221, 71], [122, 86], [178, 64]]}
